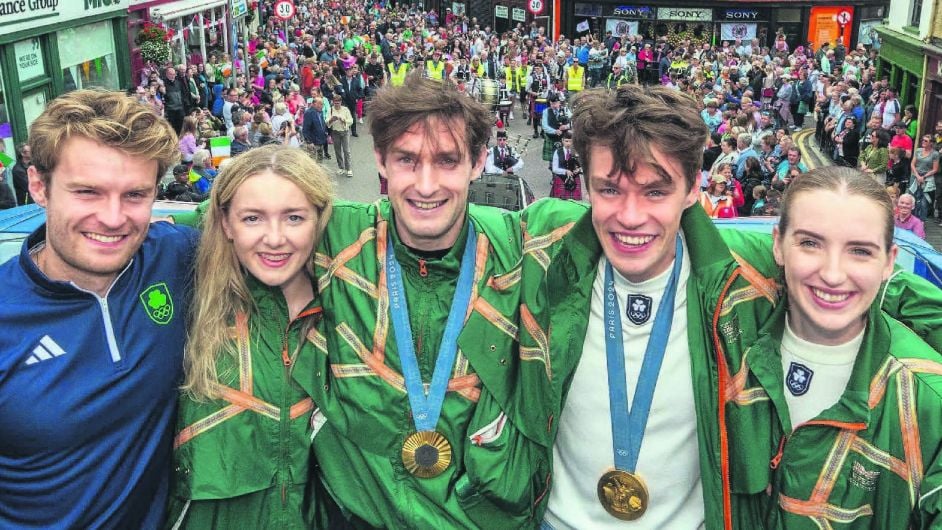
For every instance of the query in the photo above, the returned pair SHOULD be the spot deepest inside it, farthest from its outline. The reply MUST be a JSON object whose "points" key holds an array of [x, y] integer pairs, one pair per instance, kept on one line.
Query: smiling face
{"points": [[636, 217], [272, 225], [98, 204], [834, 260], [429, 173]]}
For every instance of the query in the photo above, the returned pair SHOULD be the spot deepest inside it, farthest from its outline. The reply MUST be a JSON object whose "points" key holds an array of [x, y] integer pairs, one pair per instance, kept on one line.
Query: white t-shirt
{"points": [[669, 460], [890, 110], [815, 375]]}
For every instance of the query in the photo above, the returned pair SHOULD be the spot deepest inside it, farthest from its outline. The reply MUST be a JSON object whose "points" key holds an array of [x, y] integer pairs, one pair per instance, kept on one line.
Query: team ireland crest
{"points": [[157, 303], [639, 308], [798, 379]]}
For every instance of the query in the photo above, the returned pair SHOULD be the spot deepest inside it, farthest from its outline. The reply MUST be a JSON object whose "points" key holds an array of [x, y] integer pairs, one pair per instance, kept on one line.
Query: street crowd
{"points": [[308, 83], [277, 358]]}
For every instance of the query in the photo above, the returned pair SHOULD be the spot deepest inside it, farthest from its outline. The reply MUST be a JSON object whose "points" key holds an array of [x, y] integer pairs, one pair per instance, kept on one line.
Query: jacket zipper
{"points": [[843, 425], [106, 314], [288, 361]]}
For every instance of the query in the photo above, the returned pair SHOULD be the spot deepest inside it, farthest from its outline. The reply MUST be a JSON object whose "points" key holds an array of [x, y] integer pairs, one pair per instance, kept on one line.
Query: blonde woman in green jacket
{"points": [[242, 450]]}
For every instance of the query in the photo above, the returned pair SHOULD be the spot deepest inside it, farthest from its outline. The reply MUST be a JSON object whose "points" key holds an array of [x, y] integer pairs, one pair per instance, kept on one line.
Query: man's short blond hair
{"points": [[110, 118]]}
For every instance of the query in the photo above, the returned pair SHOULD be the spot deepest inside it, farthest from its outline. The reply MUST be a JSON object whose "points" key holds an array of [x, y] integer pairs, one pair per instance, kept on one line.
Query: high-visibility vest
{"points": [[479, 71], [436, 73], [523, 73], [618, 80], [574, 83], [397, 75]]}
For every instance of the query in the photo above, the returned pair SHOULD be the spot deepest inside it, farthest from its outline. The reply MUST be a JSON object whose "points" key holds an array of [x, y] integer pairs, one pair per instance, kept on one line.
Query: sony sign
{"points": [[632, 12], [685, 13], [740, 14]]}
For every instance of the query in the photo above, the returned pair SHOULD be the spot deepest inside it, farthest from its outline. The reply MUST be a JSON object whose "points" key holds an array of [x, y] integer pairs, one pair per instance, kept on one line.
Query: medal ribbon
{"points": [[426, 408], [628, 426]]}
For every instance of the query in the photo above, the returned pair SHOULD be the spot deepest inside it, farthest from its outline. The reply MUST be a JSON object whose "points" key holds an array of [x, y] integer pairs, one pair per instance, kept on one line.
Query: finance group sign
{"points": [[17, 15]]}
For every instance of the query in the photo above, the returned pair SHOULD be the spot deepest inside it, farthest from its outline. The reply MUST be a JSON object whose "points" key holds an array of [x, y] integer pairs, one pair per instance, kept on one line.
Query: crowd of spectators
{"points": [[308, 84]]}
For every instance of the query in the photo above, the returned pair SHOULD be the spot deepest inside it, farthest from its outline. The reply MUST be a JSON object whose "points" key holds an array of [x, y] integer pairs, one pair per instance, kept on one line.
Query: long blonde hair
{"points": [[221, 290]]}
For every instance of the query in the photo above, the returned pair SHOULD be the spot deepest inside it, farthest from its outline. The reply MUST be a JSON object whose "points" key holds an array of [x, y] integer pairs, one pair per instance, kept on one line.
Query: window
{"points": [[87, 57], [916, 14], [6, 128]]}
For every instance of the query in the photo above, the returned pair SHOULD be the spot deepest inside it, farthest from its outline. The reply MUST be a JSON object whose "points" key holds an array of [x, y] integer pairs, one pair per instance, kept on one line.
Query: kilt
{"points": [[549, 145], [559, 190]]}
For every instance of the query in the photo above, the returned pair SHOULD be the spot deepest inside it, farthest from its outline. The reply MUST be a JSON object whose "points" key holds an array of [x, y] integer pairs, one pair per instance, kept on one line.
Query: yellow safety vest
{"points": [[574, 75], [397, 75], [479, 71], [436, 73], [522, 74]]}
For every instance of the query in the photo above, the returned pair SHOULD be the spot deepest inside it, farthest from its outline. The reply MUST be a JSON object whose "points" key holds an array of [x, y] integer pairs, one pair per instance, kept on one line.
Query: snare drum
{"points": [[539, 105]]}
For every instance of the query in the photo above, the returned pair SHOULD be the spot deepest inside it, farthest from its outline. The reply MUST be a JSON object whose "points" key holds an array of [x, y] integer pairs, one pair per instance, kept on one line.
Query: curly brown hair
{"points": [[110, 118], [632, 120]]}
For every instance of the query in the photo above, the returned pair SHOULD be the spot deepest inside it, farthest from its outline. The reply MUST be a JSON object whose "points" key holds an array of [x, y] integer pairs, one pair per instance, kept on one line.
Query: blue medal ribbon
{"points": [[426, 408], [628, 426]]}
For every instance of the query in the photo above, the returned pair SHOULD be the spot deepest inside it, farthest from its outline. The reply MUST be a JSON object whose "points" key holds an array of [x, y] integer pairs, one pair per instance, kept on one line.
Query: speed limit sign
{"points": [[535, 6], [284, 9]]}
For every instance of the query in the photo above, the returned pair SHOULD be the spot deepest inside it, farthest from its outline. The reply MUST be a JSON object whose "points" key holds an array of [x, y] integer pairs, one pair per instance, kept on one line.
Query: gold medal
{"points": [[426, 454], [623, 495]]}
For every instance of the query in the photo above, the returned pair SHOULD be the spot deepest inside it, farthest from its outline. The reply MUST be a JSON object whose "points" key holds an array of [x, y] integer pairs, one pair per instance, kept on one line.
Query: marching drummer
{"points": [[538, 83], [503, 158]]}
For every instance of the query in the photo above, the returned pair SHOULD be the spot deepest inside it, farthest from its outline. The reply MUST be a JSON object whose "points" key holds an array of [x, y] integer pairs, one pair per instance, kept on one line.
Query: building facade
{"points": [[48, 47], [931, 104], [800, 21], [903, 39]]}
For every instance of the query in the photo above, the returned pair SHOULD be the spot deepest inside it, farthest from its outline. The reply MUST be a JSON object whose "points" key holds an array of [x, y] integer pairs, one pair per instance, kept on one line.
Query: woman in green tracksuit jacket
{"points": [[854, 396], [242, 447]]}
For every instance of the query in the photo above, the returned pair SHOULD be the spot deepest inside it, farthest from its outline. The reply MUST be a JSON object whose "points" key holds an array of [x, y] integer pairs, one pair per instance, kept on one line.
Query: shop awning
{"points": [[182, 8]]}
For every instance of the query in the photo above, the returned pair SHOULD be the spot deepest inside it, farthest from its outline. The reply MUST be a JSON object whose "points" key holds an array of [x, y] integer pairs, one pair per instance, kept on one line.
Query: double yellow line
{"points": [[812, 157]]}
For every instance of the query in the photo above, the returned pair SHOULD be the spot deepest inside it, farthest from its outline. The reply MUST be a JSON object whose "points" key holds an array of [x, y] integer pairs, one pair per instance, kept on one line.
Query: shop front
{"points": [[52, 47], [200, 28], [870, 18], [626, 20], [828, 24], [901, 59], [685, 23], [800, 21], [744, 24], [932, 99]]}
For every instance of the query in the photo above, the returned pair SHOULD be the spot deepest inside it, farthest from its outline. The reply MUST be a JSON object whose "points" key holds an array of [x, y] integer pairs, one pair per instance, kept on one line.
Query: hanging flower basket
{"points": [[155, 51], [154, 41], [153, 32]]}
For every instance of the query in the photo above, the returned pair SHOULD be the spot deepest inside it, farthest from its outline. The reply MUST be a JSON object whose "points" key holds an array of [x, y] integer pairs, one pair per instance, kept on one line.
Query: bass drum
{"points": [[490, 93]]}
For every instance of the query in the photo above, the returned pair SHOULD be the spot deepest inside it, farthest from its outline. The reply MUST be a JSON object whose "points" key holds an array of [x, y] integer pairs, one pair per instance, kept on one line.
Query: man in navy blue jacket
{"points": [[314, 128], [93, 313]]}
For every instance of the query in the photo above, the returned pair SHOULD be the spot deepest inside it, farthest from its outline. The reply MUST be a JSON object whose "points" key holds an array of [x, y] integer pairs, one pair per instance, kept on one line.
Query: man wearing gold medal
{"points": [[415, 428], [628, 345]]}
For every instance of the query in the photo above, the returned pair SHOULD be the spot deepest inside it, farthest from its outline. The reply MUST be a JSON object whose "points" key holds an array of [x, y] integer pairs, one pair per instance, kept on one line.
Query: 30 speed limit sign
{"points": [[284, 9], [535, 6]]}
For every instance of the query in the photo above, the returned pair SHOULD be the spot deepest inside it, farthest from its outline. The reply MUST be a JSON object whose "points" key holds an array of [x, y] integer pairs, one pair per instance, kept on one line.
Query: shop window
{"points": [[587, 10], [792, 15], [6, 128], [29, 59], [916, 14], [87, 57]]}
